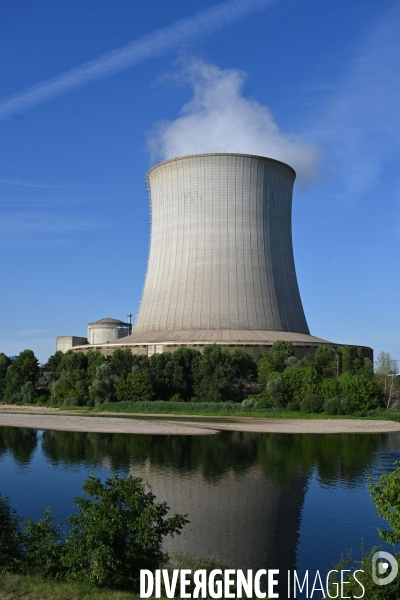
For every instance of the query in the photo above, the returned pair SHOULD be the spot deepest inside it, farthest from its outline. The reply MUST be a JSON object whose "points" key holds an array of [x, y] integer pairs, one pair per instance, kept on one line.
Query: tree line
{"points": [[334, 380]]}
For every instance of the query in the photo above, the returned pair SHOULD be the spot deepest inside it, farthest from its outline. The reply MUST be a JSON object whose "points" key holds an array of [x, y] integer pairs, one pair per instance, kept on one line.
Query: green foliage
{"points": [[213, 375], [243, 365], [358, 393], [28, 393], [372, 591], [119, 529], [351, 361], [275, 392], [326, 361], [73, 361], [122, 362], [274, 360], [300, 383], [25, 368], [5, 362], [102, 388], [173, 373], [94, 359], [72, 388], [43, 547], [386, 498], [10, 536], [333, 406], [54, 362], [136, 387], [311, 404], [330, 388]]}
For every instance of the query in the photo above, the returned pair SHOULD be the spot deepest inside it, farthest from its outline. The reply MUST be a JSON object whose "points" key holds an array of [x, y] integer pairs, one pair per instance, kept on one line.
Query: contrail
{"points": [[204, 22]]}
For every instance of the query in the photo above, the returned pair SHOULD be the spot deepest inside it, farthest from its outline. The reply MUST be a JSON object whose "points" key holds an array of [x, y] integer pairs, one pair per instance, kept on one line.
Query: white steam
{"points": [[218, 118]]}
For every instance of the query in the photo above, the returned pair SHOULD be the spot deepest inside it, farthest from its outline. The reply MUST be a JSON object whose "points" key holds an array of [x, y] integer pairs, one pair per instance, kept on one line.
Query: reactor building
{"points": [[221, 266]]}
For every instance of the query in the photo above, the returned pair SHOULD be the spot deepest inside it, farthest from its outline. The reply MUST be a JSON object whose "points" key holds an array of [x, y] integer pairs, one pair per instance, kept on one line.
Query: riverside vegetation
{"points": [[119, 529], [332, 382]]}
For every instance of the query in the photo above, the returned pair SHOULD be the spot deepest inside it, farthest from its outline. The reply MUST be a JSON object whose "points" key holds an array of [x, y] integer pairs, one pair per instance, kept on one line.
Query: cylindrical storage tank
{"points": [[107, 330], [221, 253]]}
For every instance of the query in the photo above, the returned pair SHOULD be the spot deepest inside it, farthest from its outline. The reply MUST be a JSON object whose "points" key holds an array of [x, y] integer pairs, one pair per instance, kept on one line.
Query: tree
{"points": [[5, 362], [179, 371], [386, 498], [243, 365], [387, 378], [94, 359], [213, 374], [358, 393], [54, 362], [136, 387], [274, 360], [301, 383], [25, 368], [119, 529], [10, 536], [325, 361], [122, 362], [351, 359], [102, 388], [42, 547], [28, 393], [275, 391]]}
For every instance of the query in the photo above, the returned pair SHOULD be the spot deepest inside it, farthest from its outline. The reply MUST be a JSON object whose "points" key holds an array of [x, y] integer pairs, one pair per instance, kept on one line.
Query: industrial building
{"points": [[221, 266]]}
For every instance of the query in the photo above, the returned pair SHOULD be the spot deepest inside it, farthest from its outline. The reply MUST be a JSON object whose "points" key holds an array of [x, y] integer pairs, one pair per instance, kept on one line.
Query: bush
{"points": [[10, 536], [43, 547], [292, 406], [176, 398], [333, 406], [312, 404], [249, 402], [118, 530]]}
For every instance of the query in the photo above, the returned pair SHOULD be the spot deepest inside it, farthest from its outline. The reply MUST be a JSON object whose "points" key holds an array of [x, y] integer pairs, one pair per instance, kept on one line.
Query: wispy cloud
{"points": [[18, 183], [24, 228], [202, 23], [219, 118], [360, 125]]}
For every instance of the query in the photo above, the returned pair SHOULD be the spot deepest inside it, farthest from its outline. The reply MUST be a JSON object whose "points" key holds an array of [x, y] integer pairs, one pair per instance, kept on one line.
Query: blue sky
{"points": [[93, 93]]}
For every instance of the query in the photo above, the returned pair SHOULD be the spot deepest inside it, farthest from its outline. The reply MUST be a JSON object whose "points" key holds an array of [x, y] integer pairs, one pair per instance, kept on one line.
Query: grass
{"points": [[13, 587], [227, 409]]}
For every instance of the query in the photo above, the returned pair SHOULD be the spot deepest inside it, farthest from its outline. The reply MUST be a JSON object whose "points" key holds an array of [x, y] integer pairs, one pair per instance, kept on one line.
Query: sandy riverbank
{"points": [[48, 418]]}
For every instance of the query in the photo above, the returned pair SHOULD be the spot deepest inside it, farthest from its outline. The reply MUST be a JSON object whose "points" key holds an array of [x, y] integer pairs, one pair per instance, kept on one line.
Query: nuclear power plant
{"points": [[221, 266]]}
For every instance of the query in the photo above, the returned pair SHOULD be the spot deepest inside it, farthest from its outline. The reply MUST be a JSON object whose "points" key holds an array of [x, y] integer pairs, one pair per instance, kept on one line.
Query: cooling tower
{"points": [[221, 267], [221, 255]]}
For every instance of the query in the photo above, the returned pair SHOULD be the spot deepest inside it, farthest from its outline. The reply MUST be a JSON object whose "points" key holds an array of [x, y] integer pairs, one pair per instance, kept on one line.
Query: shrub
{"points": [[312, 404], [333, 406], [358, 392], [249, 402], [176, 398], [330, 388], [135, 388], [292, 406], [43, 547], [118, 530], [10, 536]]}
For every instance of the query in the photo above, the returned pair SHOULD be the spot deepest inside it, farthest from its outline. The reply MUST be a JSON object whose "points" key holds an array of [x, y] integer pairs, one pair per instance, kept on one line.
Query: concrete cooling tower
{"points": [[221, 252], [221, 266]]}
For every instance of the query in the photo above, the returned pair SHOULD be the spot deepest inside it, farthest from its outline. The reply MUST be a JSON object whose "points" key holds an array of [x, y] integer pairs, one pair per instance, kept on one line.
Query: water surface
{"points": [[258, 500]]}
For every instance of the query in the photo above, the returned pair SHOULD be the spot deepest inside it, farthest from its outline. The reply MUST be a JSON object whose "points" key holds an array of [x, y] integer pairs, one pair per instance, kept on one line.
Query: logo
{"points": [[381, 561]]}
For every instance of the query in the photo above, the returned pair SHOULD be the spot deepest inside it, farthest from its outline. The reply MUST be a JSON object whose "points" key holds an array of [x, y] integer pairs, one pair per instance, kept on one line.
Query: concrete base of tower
{"points": [[254, 342]]}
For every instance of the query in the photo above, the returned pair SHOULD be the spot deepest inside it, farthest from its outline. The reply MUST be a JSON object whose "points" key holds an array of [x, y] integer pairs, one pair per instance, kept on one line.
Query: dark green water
{"points": [[258, 500]]}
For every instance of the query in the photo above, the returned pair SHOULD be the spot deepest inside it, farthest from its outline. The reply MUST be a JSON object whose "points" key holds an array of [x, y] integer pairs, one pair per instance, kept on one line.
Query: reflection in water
{"points": [[244, 492], [21, 442]]}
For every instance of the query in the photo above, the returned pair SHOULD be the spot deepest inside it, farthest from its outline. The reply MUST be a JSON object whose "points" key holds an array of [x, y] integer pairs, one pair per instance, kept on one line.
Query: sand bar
{"points": [[53, 418]]}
